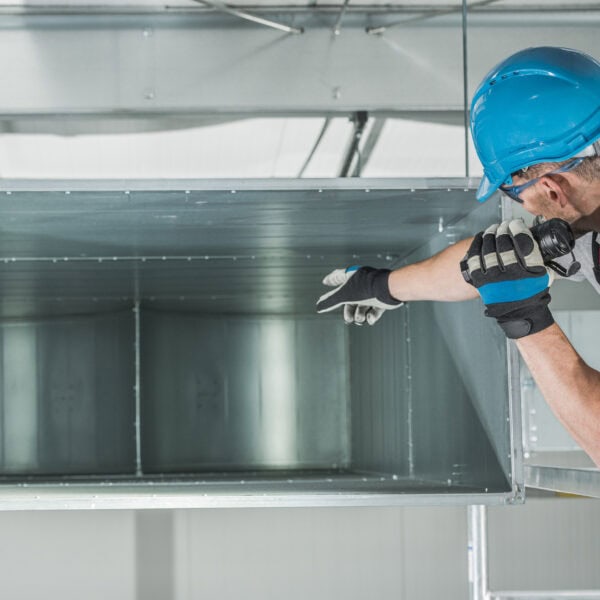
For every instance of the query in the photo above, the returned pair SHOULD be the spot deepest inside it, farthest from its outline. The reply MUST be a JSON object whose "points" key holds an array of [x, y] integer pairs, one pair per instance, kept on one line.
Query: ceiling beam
{"points": [[127, 66]]}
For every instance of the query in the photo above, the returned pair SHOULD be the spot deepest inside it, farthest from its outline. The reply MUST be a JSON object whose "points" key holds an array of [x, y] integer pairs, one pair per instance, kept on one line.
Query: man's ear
{"points": [[556, 189]]}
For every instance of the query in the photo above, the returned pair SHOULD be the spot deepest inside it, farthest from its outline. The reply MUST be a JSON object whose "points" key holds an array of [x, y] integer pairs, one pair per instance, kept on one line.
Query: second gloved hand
{"points": [[362, 291], [504, 263]]}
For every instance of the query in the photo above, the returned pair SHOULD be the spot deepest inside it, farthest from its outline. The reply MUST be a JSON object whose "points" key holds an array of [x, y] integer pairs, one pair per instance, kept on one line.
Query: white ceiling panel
{"points": [[249, 148], [412, 149], [245, 148]]}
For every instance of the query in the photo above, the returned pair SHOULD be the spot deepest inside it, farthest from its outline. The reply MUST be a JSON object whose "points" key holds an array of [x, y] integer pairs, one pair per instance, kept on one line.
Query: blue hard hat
{"points": [[538, 105]]}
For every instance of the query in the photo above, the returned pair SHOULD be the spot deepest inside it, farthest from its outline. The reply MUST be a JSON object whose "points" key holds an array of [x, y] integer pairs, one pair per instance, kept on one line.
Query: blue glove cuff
{"points": [[514, 290]]}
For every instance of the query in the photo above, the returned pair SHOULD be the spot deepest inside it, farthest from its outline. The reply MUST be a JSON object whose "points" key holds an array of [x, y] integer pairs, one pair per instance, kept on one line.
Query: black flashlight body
{"points": [[554, 237]]}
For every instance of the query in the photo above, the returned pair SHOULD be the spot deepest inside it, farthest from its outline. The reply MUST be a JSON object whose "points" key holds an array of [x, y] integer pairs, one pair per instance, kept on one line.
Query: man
{"points": [[535, 121]]}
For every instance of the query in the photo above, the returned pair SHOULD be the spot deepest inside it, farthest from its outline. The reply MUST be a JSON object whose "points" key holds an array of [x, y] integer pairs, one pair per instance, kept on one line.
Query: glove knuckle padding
{"points": [[488, 249], [517, 226], [473, 258], [474, 265], [491, 230], [514, 281], [503, 228], [490, 260]]}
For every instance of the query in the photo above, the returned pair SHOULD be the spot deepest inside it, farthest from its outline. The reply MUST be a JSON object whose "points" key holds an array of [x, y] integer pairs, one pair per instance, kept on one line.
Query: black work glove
{"points": [[362, 291], [504, 263]]}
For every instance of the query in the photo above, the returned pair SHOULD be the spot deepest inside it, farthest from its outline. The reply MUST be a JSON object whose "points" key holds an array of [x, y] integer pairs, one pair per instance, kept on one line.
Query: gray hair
{"points": [[588, 170]]}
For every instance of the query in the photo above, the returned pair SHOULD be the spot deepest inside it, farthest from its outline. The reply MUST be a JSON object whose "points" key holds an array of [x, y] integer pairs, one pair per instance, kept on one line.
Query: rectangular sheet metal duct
{"points": [[159, 347]]}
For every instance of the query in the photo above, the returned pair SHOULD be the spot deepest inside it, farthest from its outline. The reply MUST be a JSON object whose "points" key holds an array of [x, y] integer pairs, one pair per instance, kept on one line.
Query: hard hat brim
{"points": [[486, 189]]}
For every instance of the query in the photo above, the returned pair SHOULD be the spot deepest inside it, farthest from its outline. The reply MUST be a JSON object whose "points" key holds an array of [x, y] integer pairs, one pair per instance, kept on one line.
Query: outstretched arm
{"points": [[366, 293], [568, 384], [436, 278]]}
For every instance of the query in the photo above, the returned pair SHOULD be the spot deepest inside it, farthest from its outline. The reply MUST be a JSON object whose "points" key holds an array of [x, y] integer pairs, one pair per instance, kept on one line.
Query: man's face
{"points": [[541, 200], [535, 203]]}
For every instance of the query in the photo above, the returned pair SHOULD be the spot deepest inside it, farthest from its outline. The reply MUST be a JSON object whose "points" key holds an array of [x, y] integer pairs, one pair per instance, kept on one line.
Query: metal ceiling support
{"points": [[477, 552], [465, 85], [369, 146], [337, 27], [236, 12], [359, 118], [427, 15], [315, 146]]}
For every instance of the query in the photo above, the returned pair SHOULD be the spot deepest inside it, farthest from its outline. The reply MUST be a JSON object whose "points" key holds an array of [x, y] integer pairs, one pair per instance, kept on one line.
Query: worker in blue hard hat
{"points": [[535, 122]]}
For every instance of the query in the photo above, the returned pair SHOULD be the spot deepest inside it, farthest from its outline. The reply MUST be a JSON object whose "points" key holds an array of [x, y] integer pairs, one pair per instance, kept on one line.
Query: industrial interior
{"points": [[176, 421]]}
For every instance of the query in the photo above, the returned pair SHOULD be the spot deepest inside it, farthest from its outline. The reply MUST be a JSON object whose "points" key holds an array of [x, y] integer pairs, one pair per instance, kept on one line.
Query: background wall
{"points": [[384, 553]]}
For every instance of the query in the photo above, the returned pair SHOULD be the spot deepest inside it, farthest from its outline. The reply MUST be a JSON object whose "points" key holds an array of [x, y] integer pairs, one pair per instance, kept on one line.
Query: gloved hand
{"points": [[362, 291], [504, 263]]}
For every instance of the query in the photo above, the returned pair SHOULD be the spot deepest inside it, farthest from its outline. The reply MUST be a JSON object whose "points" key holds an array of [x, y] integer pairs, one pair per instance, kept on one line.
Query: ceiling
{"points": [[50, 139]]}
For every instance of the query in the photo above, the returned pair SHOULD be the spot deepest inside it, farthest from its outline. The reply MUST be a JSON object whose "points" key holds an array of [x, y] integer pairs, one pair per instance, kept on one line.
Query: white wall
{"points": [[67, 555], [332, 553], [354, 553]]}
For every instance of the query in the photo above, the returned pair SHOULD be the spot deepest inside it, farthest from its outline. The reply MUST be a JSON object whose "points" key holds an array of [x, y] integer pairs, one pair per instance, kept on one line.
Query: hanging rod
{"points": [[230, 10]]}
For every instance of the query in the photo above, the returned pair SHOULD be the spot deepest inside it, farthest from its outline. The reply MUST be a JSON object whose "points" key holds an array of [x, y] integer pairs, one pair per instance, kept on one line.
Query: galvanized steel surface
{"points": [[477, 353], [245, 396], [569, 480], [258, 250], [140, 63], [66, 395], [244, 393]]}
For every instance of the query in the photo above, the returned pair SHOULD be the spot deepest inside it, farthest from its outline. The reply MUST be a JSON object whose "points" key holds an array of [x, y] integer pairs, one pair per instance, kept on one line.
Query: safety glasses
{"points": [[514, 191]]}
